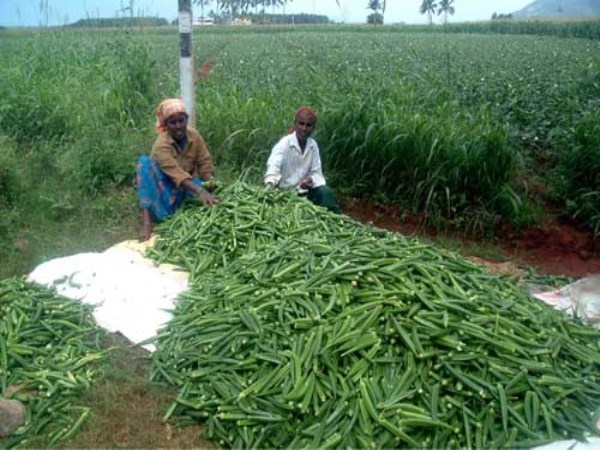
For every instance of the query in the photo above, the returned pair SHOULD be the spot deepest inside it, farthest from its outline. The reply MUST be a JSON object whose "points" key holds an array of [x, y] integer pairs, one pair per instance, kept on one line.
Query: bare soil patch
{"points": [[557, 247]]}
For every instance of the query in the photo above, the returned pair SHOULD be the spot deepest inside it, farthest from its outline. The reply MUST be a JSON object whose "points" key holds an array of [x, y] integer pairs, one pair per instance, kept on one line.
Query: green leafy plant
{"points": [[575, 181]]}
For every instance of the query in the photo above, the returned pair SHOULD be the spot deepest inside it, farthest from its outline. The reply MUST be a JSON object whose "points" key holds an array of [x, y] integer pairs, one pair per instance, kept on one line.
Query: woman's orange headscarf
{"points": [[166, 109]]}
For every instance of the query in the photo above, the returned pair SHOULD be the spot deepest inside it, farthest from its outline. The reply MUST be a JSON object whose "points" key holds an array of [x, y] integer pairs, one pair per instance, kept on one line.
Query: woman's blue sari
{"points": [[157, 192]]}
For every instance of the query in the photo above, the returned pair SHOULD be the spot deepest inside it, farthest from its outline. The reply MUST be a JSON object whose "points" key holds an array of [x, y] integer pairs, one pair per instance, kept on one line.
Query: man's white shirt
{"points": [[288, 166]]}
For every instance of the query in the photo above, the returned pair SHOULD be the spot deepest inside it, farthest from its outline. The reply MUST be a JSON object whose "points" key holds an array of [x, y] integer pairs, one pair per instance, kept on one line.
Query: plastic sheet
{"points": [[580, 299]]}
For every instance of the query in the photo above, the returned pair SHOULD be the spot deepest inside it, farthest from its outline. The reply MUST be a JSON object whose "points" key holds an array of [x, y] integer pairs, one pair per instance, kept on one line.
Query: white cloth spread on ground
{"points": [[130, 293], [581, 299]]}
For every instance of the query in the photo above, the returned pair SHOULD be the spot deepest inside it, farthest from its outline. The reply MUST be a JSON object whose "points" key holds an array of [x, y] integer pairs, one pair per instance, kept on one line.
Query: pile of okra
{"points": [[303, 328], [48, 349]]}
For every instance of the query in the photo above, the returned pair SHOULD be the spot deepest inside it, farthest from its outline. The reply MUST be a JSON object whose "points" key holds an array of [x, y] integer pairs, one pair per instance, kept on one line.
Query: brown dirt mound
{"points": [[558, 247]]}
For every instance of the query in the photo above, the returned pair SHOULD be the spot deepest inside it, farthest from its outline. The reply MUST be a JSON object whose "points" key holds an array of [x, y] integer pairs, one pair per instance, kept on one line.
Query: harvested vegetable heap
{"points": [[307, 329], [47, 345]]}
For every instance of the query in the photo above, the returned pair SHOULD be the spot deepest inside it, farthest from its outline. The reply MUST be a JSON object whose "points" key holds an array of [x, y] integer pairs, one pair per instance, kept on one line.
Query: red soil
{"points": [[554, 248], [205, 68]]}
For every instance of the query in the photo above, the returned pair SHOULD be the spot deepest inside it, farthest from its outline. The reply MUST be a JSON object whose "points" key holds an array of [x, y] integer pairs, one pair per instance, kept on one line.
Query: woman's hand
{"points": [[210, 184], [206, 197]]}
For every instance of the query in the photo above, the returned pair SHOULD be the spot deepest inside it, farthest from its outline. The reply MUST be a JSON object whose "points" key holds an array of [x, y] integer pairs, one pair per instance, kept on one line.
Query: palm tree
{"points": [[428, 7], [375, 18], [374, 5], [202, 4], [446, 8], [274, 4]]}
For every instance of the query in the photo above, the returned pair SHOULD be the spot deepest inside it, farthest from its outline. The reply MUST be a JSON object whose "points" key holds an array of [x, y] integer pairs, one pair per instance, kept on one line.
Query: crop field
{"points": [[469, 131], [448, 125], [455, 126]]}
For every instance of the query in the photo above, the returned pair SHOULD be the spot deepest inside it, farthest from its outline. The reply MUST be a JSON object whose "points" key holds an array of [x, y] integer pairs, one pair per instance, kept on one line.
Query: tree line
{"points": [[429, 7], [236, 8]]}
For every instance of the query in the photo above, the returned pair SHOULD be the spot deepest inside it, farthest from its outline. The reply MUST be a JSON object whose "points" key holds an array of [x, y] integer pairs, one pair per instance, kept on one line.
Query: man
{"points": [[295, 163]]}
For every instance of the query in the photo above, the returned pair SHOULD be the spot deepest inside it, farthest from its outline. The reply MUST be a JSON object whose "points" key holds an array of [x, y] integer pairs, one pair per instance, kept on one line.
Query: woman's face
{"points": [[304, 126], [176, 125]]}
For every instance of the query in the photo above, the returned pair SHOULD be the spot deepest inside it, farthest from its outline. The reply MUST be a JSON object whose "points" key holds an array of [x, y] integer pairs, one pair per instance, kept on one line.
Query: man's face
{"points": [[304, 126], [177, 124]]}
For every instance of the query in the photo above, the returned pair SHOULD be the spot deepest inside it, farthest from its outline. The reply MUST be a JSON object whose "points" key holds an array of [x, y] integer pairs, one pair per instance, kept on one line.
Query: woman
{"points": [[295, 163], [179, 167]]}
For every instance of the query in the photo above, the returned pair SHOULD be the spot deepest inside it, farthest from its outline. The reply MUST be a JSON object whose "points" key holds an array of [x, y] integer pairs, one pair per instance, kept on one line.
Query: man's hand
{"points": [[206, 197], [307, 183]]}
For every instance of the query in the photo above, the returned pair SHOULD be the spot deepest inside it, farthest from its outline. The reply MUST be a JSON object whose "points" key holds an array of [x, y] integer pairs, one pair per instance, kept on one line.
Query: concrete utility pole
{"points": [[186, 60]]}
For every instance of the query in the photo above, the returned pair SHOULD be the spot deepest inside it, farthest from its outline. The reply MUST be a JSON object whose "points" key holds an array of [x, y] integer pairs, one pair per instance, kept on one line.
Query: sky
{"points": [[27, 13]]}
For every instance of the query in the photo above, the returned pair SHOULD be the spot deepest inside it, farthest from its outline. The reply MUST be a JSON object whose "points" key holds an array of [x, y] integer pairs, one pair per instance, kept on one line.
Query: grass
{"points": [[441, 129], [65, 229], [481, 249], [127, 408]]}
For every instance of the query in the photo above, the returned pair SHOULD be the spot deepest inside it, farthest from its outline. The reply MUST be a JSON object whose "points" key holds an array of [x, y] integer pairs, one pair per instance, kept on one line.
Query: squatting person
{"points": [[295, 163], [178, 167]]}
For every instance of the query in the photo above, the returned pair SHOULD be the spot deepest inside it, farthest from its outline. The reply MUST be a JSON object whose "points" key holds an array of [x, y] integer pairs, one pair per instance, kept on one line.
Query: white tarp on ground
{"points": [[580, 299], [130, 293]]}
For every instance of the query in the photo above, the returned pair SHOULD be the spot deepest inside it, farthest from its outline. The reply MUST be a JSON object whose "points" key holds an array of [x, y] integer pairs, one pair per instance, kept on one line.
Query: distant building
{"points": [[241, 21], [199, 21]]}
